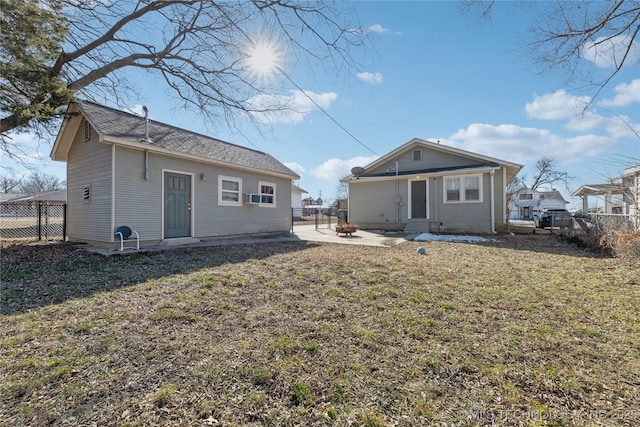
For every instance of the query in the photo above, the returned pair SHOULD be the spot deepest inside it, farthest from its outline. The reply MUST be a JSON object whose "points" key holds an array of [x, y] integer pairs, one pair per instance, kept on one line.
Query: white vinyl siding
{"points": [[267, 191], [463, 189], [229, 191]]}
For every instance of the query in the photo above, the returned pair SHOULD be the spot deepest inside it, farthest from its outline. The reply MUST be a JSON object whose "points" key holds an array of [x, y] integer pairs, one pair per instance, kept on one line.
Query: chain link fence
{"points": [[592, 224], [321, 218], [31, 221]]}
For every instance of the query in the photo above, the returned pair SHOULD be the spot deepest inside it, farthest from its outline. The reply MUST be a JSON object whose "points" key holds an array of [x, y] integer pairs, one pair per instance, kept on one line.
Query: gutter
{"points": [[493, 207], [456, 172], [156, 149]]}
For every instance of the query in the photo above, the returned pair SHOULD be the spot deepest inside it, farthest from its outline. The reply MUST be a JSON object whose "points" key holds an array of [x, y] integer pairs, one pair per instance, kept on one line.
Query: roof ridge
{"points": [[83, 101]]}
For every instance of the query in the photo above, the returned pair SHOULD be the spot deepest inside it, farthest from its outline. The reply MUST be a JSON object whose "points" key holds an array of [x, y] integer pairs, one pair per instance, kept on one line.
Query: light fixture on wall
{"points": [[203, 177]]}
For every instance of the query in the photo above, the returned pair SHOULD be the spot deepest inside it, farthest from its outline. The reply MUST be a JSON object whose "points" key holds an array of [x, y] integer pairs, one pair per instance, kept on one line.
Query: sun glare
{"points": [[263, 59]]}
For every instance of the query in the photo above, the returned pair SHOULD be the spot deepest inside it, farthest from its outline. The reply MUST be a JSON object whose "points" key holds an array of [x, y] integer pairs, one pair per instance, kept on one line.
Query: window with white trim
{"points": [[417, 155], [229, 191], [460, 189], [267, 194]]}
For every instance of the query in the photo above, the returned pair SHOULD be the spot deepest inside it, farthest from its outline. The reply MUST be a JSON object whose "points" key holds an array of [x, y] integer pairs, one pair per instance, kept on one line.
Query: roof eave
{"points": [[138, 145], [514, 167], [70, 124], [465, 171]]}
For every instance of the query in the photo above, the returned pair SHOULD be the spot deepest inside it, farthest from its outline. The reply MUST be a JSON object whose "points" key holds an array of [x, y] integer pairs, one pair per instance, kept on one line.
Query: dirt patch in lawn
{"points": [[526, 331]]}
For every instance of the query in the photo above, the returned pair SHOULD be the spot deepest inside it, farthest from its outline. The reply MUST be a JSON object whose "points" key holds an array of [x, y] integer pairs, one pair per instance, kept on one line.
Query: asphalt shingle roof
{"points": [[116, 123]]}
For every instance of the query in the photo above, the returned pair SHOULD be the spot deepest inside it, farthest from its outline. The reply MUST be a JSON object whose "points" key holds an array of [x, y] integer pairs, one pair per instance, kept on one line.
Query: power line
{"points": [[326, 113]]}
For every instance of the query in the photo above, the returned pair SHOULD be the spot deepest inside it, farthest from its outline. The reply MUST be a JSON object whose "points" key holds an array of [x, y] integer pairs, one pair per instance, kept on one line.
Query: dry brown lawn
{"points": [[528, 331]]}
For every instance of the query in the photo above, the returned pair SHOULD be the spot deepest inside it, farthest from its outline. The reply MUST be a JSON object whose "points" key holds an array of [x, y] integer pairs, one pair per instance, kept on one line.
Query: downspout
{"points": [[436, 210], [493, 207], [147, 174], [113, 192], [505, 208], [397, 195]]}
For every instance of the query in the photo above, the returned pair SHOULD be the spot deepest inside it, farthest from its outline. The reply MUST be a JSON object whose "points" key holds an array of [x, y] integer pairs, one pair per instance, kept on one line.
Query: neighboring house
{"points": [[6, 197], [164, 182], [6, 206], [631, 181], [620, 196], [296, 200], [425, 186], [527, 204], [311, 206], [24, 204], [53, 196]]}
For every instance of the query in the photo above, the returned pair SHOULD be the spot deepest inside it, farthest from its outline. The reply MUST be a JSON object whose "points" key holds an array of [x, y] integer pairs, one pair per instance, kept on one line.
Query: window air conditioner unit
{"points": [[252, 199]]}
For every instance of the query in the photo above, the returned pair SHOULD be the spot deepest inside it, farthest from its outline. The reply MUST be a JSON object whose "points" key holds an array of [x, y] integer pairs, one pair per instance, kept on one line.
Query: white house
{"points": [[527, 204], [620, 196], [296, 200]]}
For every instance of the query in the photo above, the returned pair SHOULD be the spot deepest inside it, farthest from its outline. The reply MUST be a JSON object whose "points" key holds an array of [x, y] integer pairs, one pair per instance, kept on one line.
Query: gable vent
{"points": [[86, 193]]}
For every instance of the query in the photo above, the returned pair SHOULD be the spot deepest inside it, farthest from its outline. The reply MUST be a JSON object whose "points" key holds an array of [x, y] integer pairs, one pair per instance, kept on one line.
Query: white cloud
{"points": [[26, 150], [626, 94], [584, 121], [334, 170], [296, 167], [622, 127], [378, 29], [289, 109], [520, 144], [561, 105], [556, 106], [607, 52], [371, 78]]}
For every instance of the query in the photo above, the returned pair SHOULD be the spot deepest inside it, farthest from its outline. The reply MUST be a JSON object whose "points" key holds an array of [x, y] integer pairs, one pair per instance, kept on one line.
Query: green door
{"points": [[177, 205], [418, 199]]}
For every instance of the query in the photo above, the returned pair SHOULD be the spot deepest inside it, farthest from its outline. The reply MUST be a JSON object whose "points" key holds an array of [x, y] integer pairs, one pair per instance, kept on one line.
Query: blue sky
{"points": [[435, 73]]}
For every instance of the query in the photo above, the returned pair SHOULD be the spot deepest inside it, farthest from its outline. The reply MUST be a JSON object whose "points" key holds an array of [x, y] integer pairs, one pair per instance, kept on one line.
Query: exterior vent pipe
{"points": [[147, 173], [146, 124]]}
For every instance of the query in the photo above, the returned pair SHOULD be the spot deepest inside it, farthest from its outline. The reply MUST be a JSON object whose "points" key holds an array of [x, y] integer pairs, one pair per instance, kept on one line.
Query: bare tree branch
{"points": [[196, 47]]}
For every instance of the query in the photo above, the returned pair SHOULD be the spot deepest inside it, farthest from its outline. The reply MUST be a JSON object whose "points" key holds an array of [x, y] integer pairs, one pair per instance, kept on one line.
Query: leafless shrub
{"points": [[625, 245], [615, 236]]}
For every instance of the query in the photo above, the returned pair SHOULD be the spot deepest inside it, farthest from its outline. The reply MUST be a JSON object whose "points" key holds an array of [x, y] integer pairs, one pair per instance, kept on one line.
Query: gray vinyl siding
{"points": [[214, 220], [89, 163], [371, 205], [500, 207], [465, 217], [431, 159], [139, 201]]}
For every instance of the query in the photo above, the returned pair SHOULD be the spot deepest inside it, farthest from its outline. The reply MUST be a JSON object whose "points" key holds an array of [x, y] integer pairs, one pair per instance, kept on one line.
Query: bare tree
{"points": [[546, 175], [39, 183], [8, 184], [569, 32], [200, 49], [342, 191]]}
